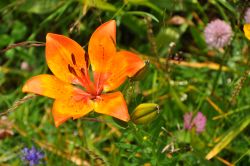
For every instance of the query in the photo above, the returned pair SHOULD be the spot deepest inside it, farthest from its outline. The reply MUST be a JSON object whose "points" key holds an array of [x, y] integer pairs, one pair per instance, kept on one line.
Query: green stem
{"points": [[219, 72]]}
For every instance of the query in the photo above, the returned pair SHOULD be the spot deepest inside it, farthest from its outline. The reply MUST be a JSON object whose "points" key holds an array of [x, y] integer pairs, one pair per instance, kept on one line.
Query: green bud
{"points": [[145, 113], [141, 74]]}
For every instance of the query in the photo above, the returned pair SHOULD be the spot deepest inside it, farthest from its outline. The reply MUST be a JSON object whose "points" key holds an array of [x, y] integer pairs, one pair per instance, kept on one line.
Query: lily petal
{"points": [[63, 109], [67, 59], [112, 104], [126, 64], [102, 48], [59, 118], [50, 86]]}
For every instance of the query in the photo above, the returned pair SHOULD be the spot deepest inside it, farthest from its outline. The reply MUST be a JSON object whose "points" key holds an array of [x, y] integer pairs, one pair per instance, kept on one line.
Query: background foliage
{"points": [[215, 82]]}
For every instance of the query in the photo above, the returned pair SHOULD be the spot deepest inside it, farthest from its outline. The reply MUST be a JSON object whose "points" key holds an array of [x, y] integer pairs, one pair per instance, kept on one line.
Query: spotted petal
{"points": [[110, 68], [50, 86], [74, 107], [102, 48], [67, 60], [125, 64]]}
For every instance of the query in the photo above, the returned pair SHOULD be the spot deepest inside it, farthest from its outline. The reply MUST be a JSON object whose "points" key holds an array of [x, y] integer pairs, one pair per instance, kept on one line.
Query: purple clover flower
{"points": [[247, 16], [218, 33], [199, 122], [32, 156]]}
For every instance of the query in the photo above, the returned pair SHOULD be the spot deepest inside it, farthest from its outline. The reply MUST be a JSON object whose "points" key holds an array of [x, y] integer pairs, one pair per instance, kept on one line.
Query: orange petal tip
{"points": [[52, 36], [126, 119], [59, 118], [49, 35], [25, 88], [110, 22]]}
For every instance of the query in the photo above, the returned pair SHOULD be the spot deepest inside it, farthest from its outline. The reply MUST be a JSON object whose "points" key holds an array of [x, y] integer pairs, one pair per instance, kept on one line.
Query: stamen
{"points": [[73, 59], [69, 68], [87, 59], [82, 71], [72, 70]]}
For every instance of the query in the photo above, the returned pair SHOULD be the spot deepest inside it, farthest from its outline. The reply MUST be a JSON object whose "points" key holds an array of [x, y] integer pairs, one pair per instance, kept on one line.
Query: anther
{"points": [[73, 59], [69, 68], [72, 70], [82, 71], [87, 59]]}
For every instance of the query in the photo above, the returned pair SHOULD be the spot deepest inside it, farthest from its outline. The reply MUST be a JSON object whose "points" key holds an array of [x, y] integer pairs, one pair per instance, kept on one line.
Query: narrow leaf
{"points": [[141, 13], [229, 136]]}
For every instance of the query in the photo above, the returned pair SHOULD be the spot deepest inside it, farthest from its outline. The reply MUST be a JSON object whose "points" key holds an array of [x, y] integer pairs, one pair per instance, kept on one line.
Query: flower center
{"points": [[81, 75]]}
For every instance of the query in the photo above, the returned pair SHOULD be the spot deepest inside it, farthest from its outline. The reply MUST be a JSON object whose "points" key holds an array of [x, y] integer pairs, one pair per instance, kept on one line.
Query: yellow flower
{"points": [[246, 29]]}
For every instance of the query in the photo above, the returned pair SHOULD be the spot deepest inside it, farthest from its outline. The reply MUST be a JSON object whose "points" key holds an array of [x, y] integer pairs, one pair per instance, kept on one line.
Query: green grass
{"points": [[143, 26]]}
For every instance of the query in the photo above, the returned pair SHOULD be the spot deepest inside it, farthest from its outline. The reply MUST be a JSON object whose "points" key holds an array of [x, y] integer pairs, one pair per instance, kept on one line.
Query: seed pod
{"points": [[145, 113], [140, 75]]}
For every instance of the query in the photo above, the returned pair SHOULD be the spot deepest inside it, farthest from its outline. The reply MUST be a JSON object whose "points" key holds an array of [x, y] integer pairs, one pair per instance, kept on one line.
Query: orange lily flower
{"points": [[70, 65]]}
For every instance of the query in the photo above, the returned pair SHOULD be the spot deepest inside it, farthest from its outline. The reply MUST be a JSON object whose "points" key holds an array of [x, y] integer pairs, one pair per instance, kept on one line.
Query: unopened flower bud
{"points": [[145, 113], [140, 75]]}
